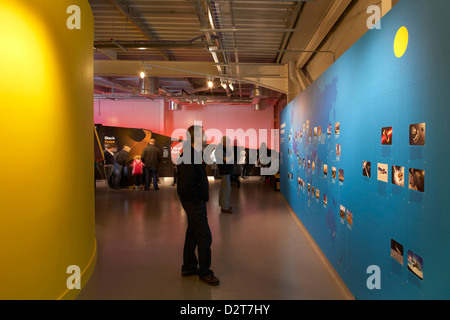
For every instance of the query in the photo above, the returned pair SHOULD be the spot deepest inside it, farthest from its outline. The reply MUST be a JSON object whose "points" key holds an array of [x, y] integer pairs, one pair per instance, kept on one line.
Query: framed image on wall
{"points": [[397, 251], [415, 264], [366, 169], [417, 179], [398, 176], [417, 134], [386, 136], [382, 172]]}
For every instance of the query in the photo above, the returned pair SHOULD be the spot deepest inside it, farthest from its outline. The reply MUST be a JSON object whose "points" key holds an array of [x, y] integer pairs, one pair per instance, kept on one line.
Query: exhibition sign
{"points": [[363, 150]]}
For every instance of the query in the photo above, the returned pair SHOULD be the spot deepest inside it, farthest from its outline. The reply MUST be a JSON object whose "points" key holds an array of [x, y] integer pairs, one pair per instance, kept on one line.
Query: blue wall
{"points": [[368, 89]]}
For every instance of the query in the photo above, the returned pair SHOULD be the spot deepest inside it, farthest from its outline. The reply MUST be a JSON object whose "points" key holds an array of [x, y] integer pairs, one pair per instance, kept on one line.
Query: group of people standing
{"points": [[144, 168]]}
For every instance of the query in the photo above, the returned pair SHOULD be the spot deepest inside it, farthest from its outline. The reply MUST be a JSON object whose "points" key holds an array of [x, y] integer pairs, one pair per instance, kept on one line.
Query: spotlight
{"points": [[142, 74], [210, 84], [230, 84]]}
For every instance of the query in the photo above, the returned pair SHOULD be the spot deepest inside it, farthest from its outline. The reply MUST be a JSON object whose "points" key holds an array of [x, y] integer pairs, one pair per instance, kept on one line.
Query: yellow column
{"points": [[47, 212]]}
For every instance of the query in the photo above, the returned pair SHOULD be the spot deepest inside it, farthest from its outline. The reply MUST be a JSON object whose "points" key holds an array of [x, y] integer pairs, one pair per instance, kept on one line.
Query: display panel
{"points": [[375, 103]]}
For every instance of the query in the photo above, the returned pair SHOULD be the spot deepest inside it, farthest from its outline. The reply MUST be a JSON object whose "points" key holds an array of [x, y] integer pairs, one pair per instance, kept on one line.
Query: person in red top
{"points": [[137, 169]]}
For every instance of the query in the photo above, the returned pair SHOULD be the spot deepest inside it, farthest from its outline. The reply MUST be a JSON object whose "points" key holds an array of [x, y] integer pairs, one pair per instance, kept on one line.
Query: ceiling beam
{"points": [[133, 16], [332, 16]]}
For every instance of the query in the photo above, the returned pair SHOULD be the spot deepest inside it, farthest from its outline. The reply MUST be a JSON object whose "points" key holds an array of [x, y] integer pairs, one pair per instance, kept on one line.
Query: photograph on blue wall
{"points": [[417, 134], [417, 179], [386, 136], [366, 169], [398, 176], [382, 172], [397, 251], [415, 264]]}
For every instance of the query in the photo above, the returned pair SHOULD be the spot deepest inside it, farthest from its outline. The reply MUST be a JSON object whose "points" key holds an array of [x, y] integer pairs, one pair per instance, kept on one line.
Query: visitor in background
{"points": [[151, 157], [120, 167], [224, 152], [109, 164], [137, 171]]}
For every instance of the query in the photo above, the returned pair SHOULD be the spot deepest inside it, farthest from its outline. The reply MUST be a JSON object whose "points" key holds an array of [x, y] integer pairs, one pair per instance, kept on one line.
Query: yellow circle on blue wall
{"points": [[401, 42]]}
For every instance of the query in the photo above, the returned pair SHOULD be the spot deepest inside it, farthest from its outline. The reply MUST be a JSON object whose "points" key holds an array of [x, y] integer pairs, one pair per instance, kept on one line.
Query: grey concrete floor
{"points": [[259, 252]]}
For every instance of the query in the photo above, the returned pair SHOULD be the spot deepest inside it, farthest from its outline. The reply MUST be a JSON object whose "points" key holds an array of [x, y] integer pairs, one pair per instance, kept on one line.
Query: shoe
{"points": [[226, 210], [210, 279], [156, 189], [189, 273]]}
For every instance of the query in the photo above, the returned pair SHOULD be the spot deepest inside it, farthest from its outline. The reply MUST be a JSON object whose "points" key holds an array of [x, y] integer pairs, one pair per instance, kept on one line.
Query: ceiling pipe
{"points": [[150, 44]]}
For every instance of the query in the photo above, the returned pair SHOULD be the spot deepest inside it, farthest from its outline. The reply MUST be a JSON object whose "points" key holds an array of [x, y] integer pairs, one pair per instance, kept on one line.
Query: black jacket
{"points": [[151, 157], [122, 157], [109, 158], [192, 181], [224, 167]]}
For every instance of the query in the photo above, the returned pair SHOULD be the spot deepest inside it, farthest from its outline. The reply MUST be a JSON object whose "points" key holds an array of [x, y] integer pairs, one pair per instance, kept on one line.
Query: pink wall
{"points": [[155, 116], [130, 114]]}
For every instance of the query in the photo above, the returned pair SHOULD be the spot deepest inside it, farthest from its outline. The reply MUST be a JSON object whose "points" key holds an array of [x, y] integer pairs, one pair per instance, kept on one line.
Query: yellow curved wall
{"points": [[47, 212]]}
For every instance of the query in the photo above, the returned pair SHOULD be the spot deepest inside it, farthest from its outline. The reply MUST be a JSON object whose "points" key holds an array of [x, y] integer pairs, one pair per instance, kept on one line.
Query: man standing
{"points": [[119, 165], [193, 190], [109, 164], [151, 157]]}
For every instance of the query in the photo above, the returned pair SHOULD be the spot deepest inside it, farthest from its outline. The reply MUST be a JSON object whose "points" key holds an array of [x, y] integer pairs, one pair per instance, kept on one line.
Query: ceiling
{"points": [[181, 44]]}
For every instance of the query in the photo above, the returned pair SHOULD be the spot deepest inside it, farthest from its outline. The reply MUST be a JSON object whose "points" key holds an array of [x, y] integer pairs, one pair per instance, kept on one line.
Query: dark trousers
{"points": [[138, 179], [149, 173], [198, 235]]}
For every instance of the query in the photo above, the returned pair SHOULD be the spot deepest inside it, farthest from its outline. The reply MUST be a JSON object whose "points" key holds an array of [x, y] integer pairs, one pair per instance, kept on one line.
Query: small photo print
{"points": [[338, 149], [325, 199], [313, 166], [397, 251], [366, 169], [417, 134], [307, 124], [349, 217], [382, 172], [319, 131], [329, 129], [337, 127], [325, 169], [415, 264], [303, 127], [386, 136], [341, 175], [313, 191], [315, 131], [317, 194], [310, 132], [417, 179], [333, 172], [398, 176], [342, 212], [309, 187], [301, 134]]}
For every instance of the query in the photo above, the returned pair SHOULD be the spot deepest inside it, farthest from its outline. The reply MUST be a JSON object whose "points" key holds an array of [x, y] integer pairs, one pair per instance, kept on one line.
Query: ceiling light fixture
{"points": [[210, 84]]}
